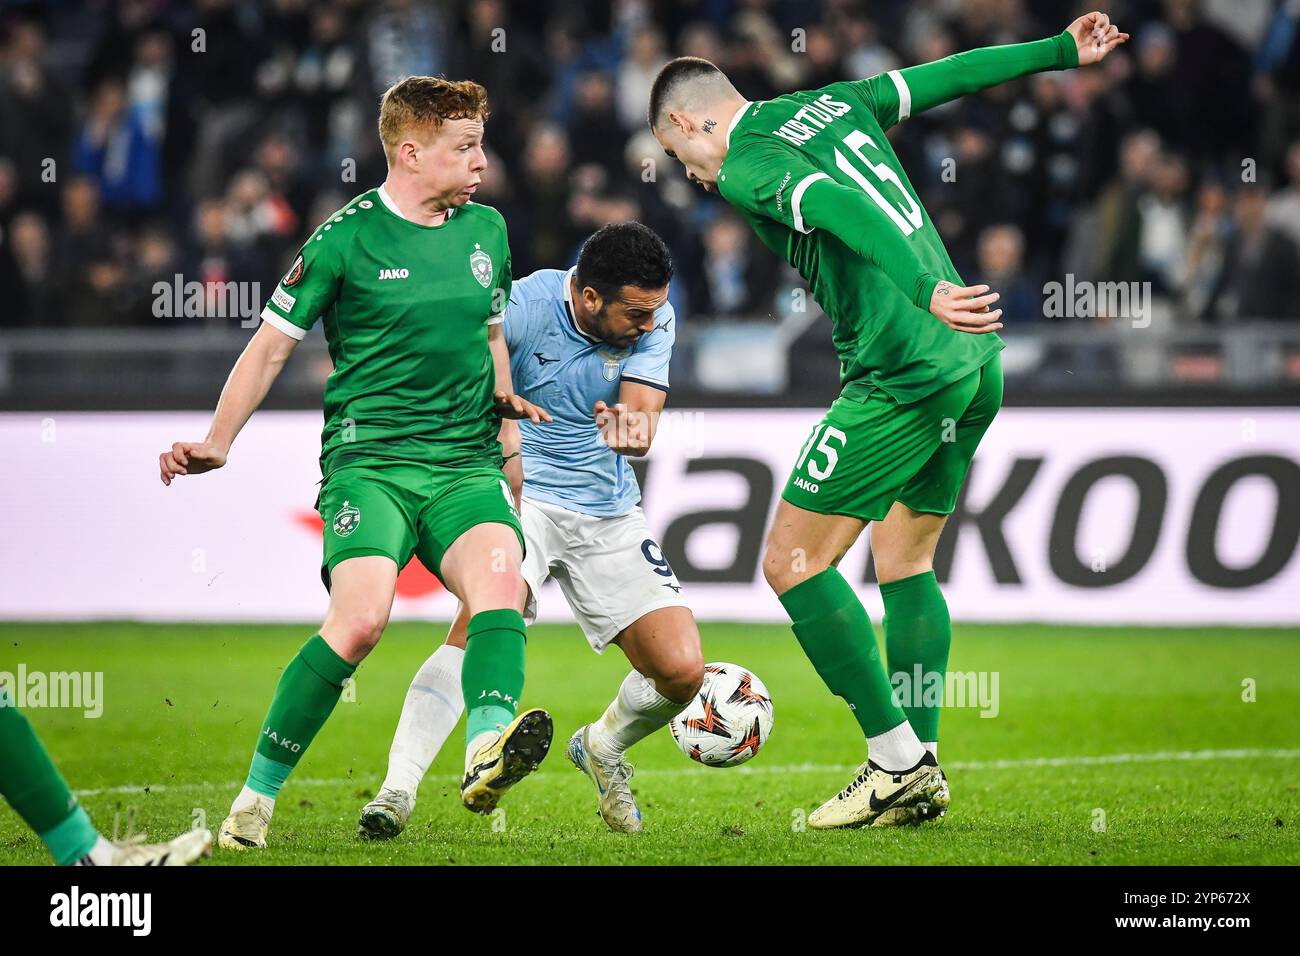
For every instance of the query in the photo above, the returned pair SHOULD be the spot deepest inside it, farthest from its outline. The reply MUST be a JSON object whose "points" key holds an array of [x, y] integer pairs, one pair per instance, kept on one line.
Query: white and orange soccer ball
{"points": [[729, 720]]}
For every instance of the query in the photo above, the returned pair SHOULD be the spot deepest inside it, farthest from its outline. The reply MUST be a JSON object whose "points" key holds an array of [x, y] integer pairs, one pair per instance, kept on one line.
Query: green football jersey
{"points": [[406, 310], [815, 176]]}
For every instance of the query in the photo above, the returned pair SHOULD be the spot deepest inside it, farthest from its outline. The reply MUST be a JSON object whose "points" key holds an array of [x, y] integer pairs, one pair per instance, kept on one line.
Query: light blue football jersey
{"points": [[556, 365]]}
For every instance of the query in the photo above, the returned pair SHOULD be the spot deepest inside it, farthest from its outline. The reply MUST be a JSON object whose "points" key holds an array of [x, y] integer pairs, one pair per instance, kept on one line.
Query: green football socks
{"points": [[833, 628], [918, 635], [36, 790], [304, 698], [492, 674]]}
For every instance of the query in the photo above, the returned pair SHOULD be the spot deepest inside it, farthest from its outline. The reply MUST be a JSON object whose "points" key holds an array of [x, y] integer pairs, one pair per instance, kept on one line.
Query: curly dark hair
{"points": [[623, 253]]}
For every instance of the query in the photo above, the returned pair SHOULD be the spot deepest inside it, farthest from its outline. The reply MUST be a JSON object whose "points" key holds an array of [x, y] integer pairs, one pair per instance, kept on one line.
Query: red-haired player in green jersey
{"points": [[410, 281], [816, 178]]}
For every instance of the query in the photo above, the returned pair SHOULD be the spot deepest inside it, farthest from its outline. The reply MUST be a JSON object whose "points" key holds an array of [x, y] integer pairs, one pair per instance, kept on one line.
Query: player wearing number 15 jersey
{"points": [[816, 178]]}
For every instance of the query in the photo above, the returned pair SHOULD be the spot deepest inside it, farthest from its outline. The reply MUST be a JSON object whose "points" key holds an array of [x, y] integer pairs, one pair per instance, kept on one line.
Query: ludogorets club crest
{"points": [[346, 520], [480, 263]]}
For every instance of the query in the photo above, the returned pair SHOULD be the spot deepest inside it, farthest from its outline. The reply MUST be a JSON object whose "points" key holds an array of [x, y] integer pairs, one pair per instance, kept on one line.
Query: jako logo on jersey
{"points": [[800, 128], [480, 263], [806, 485], [394, 274], [346, 520], [286, 743]]}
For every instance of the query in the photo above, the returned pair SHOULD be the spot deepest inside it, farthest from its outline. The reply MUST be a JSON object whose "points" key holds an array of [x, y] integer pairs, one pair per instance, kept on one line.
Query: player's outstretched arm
{"points": [[508, 404], [861, 225], [1087, 40], [249, 381], [628, 426]]}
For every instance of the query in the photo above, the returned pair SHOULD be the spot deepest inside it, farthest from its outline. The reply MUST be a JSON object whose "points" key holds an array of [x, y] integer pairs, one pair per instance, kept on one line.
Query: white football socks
{"points": [[896, 749], [248, 797], [932, 746], [433, 706], [101, 854], [637, 711]]}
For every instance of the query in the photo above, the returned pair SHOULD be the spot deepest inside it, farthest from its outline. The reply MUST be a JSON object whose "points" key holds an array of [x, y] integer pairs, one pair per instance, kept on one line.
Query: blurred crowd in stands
{"points": [[142, 139]]}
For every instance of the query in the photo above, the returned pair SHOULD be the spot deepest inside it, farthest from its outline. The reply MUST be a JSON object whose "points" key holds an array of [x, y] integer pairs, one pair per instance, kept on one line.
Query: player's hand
{"points": [[190, 458], [966, 309], [1096, 36], [510, 405], [627, 432]]}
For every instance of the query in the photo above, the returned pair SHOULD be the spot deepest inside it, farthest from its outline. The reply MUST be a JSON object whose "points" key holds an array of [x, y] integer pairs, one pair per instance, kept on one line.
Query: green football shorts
{"points": [[399, 509], [868, 453]]}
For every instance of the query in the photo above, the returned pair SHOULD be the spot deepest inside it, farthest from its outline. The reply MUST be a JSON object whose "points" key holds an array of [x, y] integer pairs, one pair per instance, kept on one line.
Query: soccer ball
{"points": [[729, 720]]}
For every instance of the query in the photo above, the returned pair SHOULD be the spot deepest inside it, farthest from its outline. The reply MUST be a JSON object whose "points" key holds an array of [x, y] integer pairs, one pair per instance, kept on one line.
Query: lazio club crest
{"points": [[480, 263], [611, 367], [346, 520]]}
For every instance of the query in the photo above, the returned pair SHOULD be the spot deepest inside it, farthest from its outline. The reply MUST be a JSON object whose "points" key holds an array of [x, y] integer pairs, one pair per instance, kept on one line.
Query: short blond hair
{"points": [[421, 104]]}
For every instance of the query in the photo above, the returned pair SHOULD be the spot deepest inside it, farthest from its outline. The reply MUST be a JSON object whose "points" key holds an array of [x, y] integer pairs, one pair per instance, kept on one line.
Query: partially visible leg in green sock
{"points": [[304, 699], [492, 673], [918, 635], [36, 790], [835, 632]]}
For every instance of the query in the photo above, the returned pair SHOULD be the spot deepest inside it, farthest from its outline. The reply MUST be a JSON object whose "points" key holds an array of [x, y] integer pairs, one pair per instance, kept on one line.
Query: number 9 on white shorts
{"points": [[609, 568]]}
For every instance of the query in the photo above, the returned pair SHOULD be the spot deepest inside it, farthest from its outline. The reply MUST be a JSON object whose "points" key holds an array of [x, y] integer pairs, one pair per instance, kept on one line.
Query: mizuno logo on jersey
{"points": [[542, 359], [394, 274]]}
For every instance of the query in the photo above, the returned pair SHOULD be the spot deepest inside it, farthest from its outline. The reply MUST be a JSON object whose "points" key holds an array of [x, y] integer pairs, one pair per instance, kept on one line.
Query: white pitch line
{"points": [[1162, 756]]}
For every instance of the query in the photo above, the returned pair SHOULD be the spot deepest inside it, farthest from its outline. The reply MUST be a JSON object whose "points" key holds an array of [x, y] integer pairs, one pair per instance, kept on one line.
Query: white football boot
{"points": [[918, 813], [245, 828], [185, 849], [874, 791], [612, 779], [385, 816], [503, 761]]}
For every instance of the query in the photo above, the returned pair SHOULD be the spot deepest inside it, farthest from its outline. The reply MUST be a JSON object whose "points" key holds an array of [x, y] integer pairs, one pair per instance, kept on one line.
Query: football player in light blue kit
{"points": [[592, 346]]}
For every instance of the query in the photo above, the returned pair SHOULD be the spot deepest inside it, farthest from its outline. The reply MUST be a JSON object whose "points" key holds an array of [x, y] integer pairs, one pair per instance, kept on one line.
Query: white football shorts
{"points": [[610, 569]]}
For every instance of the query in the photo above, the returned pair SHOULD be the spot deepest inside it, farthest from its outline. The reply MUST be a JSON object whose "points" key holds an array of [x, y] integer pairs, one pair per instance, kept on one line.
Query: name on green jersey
{"points": [[799, 128]]}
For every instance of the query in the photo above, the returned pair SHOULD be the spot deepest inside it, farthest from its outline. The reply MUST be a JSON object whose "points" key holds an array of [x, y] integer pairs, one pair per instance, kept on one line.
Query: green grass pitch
{"points": [[1063, 774]]}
